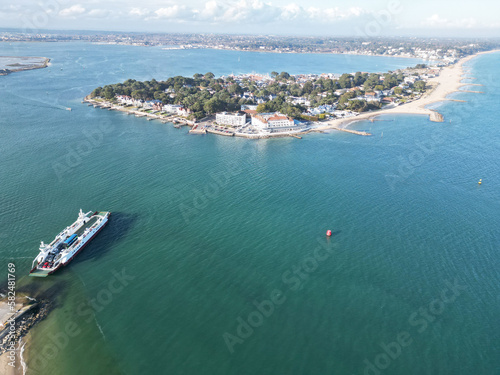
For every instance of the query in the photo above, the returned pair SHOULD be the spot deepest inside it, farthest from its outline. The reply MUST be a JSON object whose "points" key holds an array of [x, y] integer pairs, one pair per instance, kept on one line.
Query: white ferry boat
{"points": [[68, 243]]}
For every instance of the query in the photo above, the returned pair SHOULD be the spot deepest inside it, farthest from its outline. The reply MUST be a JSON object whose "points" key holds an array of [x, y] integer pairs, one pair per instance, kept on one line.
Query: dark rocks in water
{"points": [[38, 312]]}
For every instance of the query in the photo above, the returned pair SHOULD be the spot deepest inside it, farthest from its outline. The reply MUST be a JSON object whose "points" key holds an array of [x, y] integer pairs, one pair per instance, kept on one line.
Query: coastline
{"points": [[448, 82], [24, 316], [18, 369], [301, 52], [42, 64]]}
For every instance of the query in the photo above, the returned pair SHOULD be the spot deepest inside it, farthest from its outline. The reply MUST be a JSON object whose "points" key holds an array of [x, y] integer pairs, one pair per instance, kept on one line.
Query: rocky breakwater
{"points": [[18, 322]]}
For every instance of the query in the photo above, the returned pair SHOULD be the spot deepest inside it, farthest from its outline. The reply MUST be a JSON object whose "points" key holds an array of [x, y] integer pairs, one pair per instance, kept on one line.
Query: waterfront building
{"points": [[275, 123], [233, 119], [171, 108]]}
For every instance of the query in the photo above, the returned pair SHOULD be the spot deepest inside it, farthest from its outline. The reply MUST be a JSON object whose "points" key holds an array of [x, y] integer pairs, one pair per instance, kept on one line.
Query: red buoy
{"points": [[328, 232]]}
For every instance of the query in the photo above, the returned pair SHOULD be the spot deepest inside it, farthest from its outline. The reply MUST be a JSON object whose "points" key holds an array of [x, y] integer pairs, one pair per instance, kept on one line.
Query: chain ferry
{"points": [[68, 243]]}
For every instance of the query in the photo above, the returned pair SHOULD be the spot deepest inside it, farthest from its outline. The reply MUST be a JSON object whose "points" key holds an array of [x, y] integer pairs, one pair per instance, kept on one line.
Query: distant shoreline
{"points": [[317, 53]]}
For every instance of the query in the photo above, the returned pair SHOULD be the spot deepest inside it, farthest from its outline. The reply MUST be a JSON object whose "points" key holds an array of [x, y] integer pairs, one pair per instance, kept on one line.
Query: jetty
{"points": [[226, 133], [352, 131]]}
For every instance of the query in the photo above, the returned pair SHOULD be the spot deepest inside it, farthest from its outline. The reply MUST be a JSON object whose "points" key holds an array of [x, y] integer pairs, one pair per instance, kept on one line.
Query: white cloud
{"points": [[240, 11], [291, 12], [174, 11], [75, 10], [211, 10], [99, 13], [138, 12], [224, 12], [256, 11], [437, 21], [334, 14]]}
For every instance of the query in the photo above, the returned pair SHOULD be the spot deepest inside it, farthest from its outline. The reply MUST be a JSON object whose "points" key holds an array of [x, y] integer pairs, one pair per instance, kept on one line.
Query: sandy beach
{"points": [[5, 368], [17, 369], [448, 81]]}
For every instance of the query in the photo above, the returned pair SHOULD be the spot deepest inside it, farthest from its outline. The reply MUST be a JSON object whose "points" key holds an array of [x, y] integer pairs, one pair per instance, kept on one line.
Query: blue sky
{"points": [[300, 17]]}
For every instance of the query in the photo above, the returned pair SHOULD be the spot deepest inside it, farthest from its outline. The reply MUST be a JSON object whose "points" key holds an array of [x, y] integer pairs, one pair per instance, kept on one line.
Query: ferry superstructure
{"points": [[68, 243]]}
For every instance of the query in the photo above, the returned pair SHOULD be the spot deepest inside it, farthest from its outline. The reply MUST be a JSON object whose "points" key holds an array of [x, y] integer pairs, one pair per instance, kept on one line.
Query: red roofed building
{"points": [[275, 122]]}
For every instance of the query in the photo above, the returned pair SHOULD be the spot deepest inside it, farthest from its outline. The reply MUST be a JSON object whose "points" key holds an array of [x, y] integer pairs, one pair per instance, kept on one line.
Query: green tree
{"points": [[358, 79], [345, 81], [344, 98], [357, 105], [398, 90], [419, 86], [284, 75], [96, 92], [213, 105], [108, 93], [261, 108], [308, 87], [235, 89]]}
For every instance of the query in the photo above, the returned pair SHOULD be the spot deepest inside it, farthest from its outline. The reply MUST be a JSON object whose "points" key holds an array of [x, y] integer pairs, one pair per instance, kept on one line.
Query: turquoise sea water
{"points": [[206, 228]]}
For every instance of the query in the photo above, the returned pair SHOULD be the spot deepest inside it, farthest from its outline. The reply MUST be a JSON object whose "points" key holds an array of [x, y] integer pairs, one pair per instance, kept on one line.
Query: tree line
{"points": [[205, 94]]}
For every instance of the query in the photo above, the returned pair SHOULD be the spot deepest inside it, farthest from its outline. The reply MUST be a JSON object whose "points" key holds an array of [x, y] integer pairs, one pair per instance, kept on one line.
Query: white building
{"points": [[181, 111], [249, 106], [275, 123], [171, 108], [233, 119], [301, 101], [325, 108]]}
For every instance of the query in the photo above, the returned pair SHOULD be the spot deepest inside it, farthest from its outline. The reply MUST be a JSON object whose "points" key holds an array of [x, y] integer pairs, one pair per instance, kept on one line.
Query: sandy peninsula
{"points": [[448, 82], [11, 64]]}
